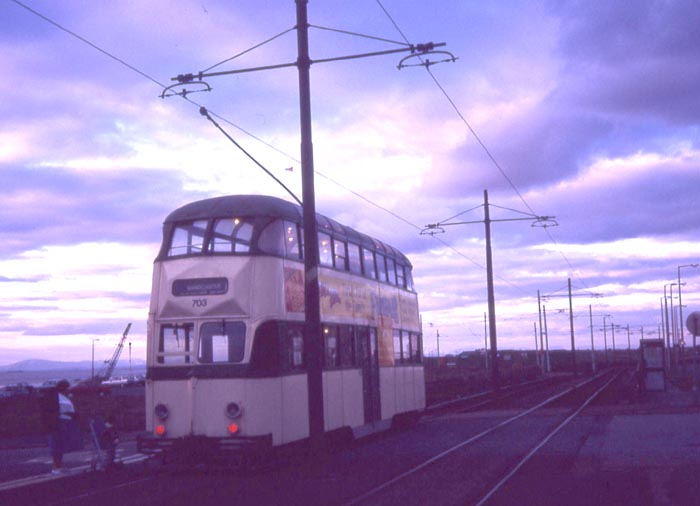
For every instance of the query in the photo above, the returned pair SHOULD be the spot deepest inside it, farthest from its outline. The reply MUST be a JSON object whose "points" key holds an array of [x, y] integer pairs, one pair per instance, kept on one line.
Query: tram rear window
{"points": [[221, 342]]}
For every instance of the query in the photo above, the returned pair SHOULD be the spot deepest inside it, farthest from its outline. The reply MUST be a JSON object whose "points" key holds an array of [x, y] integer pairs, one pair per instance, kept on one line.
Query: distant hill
{"points": [[35, 364]]}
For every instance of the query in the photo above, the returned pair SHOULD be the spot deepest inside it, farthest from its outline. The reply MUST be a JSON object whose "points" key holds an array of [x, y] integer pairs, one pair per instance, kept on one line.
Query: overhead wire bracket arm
{"points": [[415, 49]]}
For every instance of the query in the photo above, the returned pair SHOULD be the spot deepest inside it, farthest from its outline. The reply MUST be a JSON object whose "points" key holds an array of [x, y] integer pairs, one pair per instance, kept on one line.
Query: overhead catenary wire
{"points": [[212, 113], [84, 40], [480, 142]]}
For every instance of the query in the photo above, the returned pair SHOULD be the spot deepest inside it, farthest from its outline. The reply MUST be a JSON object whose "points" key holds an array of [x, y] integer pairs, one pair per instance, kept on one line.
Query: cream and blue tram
{"points": [[225, 354]]}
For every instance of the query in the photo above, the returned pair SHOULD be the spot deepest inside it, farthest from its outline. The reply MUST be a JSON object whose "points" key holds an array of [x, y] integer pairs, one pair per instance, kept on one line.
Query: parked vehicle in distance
{"points": [[16, 390]]}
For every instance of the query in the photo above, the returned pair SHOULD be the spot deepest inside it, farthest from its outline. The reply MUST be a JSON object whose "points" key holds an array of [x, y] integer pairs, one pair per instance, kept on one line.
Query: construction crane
{"points": [[112, 362]]}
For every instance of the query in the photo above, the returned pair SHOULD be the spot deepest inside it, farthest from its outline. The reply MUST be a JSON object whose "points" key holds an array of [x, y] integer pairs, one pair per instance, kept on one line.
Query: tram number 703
{"points": [[199, 302]]}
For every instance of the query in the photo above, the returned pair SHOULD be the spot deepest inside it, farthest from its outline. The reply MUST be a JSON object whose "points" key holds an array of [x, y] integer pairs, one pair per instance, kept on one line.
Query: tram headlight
{"points": [[233, 410], [161, 411]]}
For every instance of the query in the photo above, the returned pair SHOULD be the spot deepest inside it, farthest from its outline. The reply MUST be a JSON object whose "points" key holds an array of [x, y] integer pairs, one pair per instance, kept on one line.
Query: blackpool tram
{"points": [[225, 352]]}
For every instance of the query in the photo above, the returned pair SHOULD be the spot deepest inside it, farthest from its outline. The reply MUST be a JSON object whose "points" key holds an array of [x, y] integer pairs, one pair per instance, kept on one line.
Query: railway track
{"points": [[407, 487], [468, 454]]}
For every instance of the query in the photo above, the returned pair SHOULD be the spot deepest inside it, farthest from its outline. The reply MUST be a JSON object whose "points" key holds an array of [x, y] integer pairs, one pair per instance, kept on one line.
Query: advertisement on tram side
{"points": [[343, 299]]}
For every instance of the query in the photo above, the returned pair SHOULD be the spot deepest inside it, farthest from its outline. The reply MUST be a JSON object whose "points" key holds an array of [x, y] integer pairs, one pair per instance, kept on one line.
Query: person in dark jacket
{"points": [[58, 413]]}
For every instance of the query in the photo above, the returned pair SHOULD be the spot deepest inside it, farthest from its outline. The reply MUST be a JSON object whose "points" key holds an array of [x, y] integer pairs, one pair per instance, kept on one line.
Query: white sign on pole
{"points": [[692, 323]]}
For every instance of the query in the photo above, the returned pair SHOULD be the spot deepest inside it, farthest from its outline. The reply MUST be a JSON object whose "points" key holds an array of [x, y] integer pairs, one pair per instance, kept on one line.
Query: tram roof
{"points": [[265, 205]]}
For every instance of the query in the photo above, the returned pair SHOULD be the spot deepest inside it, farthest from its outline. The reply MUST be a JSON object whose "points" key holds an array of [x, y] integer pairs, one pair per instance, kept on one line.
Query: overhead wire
{"points": [[214, 114], [84, 40], [481, 143]]}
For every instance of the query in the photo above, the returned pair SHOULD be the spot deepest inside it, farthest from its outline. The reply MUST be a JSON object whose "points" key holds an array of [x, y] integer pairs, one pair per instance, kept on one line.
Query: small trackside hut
{"points": [[225, 354]]}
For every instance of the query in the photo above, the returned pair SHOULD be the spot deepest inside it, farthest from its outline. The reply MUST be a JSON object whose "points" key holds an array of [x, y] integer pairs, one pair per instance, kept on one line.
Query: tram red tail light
{"points": [[233, 428], [160, 430]]}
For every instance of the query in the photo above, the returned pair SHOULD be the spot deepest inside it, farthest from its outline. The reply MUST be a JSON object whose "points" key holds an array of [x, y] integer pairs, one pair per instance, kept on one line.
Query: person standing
{"points": [[58, 414]]}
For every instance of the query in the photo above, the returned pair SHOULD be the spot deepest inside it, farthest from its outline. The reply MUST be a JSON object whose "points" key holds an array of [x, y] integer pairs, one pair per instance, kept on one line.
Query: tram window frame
{"points": [[346, 337], [416, 355], [409, 280], [181, 240], [325, 251], [331, 346], [266, 354], [369, 263], [405, 346], [292, 243], [391, 271], [401, 275], [237, 240], [354, 260], [340, 254], [271, 239], [381, 267], [294, 346], [229, 341], [167, 356], [398, 355]]}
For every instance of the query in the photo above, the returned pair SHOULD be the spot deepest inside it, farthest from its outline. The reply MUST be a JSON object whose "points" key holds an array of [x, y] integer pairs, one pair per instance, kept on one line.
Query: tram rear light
{"points": [[160, 430], [233, 428]]}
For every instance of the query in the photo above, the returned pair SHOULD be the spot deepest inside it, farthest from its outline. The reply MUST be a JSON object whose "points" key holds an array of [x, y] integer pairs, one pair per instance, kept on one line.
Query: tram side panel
{"points": [[343, 403], [278, 406]]}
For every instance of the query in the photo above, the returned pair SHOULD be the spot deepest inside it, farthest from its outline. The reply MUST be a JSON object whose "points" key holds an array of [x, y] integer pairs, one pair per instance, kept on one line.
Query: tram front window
{"points": [[231, 235], [174, 344], [188, 238], [221, 342]]}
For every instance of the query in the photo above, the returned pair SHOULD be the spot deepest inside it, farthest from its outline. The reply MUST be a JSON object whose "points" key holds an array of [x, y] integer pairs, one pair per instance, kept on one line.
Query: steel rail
{"points": [[544, 441], [374, 491]]}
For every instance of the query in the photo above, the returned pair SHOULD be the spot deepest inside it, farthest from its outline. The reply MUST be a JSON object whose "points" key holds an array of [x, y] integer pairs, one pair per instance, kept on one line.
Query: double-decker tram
{"points": [[225, 351]]}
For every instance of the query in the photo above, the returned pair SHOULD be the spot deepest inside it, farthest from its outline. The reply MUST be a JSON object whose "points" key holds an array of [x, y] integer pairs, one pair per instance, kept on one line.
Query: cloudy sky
{"points": [[587, 111]]}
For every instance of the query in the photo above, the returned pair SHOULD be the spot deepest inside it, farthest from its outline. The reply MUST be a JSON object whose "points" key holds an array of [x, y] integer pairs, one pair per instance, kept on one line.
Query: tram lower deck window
{"points": [[174, 344], [221, 342]]}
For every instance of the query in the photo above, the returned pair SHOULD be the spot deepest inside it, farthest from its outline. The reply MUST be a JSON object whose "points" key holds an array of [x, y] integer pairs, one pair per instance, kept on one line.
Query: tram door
{"points": [[369, 361]]}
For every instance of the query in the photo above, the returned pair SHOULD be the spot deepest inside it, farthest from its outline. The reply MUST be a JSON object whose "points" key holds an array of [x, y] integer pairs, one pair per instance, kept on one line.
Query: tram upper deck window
{"points": [[174, 344], [391, 270], [221, 342], [188, 238], [401, 275], [339, 254], [368, 263], [409, 279], [354, 258], [291, 240], [271, 239], [231, 235], [324, 249], [381, 268]]}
